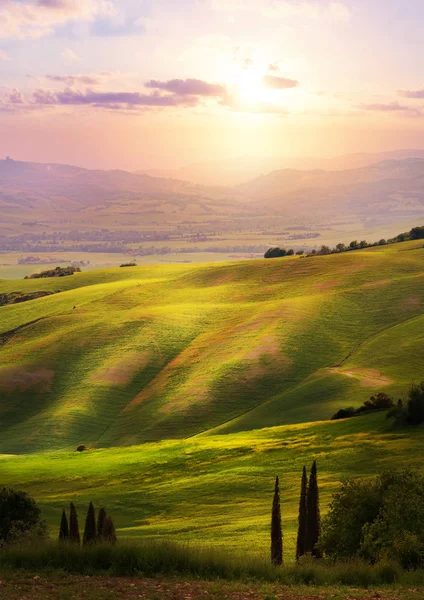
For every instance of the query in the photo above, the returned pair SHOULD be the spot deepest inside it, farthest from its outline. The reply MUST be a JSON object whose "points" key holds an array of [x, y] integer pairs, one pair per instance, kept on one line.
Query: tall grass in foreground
{"points": [[149, 558]]}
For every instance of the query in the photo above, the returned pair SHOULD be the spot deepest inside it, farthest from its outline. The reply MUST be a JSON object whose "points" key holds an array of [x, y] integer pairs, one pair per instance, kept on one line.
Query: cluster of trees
{"points": [[309, 525], [377, 519], [280, 252], [57, 272], [409, 412], [416, 233], [101, 531], [378, 402]]}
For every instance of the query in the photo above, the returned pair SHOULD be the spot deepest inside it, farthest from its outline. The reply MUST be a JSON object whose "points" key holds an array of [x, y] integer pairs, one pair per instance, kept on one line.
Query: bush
{"points": [[344, 413], [19, 517], [275, 253], [130, 264], [378, 520], [81, 448], [413, 412]]}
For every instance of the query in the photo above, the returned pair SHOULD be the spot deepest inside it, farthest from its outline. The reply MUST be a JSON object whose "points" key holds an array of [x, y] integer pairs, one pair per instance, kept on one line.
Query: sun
{"points": [[248, 84]]}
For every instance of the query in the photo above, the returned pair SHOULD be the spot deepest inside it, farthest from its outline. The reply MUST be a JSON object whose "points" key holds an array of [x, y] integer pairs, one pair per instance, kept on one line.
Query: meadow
{"points": [[193, 386]]}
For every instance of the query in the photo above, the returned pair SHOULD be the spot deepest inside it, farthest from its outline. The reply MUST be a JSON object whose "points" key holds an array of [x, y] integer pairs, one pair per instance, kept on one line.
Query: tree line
{"points": [[416, 233]]}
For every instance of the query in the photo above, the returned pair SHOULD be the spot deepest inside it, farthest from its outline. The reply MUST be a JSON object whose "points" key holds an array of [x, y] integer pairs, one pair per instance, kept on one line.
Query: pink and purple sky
{"points": [[140, 84]]}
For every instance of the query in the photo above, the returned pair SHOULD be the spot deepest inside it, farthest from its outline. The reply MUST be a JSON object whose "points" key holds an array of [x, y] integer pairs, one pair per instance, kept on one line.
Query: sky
{"points": [[143, 84]]}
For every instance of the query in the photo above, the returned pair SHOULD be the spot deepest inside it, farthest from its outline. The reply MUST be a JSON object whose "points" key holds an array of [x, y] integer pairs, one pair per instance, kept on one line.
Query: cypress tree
{"points": [[101, 523], [109, 533], [313, 526], [276, 533], [90, 526], [74, 534], [64, 529], [302, 531]]}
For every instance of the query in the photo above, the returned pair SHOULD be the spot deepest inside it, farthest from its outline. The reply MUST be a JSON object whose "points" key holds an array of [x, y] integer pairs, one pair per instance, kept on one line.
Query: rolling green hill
{"points": [[126, 356]]}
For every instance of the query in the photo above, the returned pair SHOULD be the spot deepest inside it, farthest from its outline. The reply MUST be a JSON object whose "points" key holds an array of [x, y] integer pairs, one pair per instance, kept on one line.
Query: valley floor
{"points": [[56, 586]]}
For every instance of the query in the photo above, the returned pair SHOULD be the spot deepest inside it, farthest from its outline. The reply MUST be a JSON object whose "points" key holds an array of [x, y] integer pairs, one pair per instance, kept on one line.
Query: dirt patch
{"points": [[377, 283], [20, 379], [367, 377], [412, 303], [325, 285], [22, 585], [123, 371]]}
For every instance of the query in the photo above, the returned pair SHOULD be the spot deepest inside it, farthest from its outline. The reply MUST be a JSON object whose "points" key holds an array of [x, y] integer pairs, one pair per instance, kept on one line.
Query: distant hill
{"points": [[394, 187], [231, 172], [123, 356]]}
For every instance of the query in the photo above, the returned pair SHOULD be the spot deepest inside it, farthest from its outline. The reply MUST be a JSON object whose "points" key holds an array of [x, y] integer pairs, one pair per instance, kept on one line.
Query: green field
{"points": [[195, 385]]}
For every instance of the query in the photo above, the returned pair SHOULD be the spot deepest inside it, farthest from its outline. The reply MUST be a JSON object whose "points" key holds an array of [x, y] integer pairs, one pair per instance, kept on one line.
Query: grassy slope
{"points": [[174, 351], [213, 490]]}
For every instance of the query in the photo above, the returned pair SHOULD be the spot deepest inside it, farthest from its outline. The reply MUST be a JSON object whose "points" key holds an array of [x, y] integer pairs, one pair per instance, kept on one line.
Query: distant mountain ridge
{"points": [[395, 186]]}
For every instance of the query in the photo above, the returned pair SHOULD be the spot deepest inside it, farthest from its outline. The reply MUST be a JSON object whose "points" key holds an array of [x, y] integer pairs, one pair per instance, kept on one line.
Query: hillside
{"points": [[126, 356], [391, 187]]}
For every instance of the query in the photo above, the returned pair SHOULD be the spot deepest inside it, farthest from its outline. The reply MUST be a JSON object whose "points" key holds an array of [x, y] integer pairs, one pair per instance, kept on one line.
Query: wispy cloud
{"points": [[391, 107], [4, 56], [413, 94], [71, 80], [279, 83], [39, 18], [334, 10], [69, 55], [190, 87]]}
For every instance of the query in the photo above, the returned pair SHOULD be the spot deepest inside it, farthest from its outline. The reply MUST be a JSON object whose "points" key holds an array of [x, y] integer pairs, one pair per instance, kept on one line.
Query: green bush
{"points": [[19, 518]]}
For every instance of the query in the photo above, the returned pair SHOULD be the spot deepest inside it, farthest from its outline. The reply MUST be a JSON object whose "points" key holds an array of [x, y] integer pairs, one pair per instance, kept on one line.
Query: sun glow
{"points": [[248, 85]]}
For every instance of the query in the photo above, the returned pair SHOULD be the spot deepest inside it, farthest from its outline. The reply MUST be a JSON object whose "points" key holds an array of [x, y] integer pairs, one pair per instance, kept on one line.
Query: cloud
{"points": [[69, 55], [310, 9], [70, 97], [71, 80], [39, 18], [113, 28], [279, 83], [191, 87], [4, 55], [391, 107], [415, 94]]}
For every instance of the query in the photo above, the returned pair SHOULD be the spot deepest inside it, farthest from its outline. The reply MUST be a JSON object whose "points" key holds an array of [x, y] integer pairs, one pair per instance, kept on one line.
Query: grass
{"points": [[195, 385], [149, 559], [212, 490], [125, 356]]}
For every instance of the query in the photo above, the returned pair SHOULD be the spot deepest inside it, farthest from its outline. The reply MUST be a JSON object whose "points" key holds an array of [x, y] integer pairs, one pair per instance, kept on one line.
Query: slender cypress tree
{"points": [[313, 526], [109, 533], [276, 533], [303, 515], [64, 529], [101, 523], [74, 534], [90, 526]]}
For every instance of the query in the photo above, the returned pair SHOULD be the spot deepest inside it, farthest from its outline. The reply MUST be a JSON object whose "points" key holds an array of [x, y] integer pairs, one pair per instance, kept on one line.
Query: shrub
{"points": [[81, 448], [130, 264], [344, 413], [19, 517], [413, 412], [381, 519], [275, 253]]}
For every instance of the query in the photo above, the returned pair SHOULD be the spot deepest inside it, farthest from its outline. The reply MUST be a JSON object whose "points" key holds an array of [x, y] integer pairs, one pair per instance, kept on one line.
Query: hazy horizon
{"points": [[161, 85]]}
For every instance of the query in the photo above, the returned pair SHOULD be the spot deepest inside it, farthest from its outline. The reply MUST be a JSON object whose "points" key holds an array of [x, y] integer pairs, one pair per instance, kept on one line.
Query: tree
{"points": [[275, 253], [276, 533], [101, 517], [109, 533], [290, 252], [74, 534], [363, 244], [416, 233], [313, 527], [377, 519], [324, 250], [302, 531], [341, 248], [415, 405], [64, 528], [19, 516], [90, 526], [353, 245]]}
